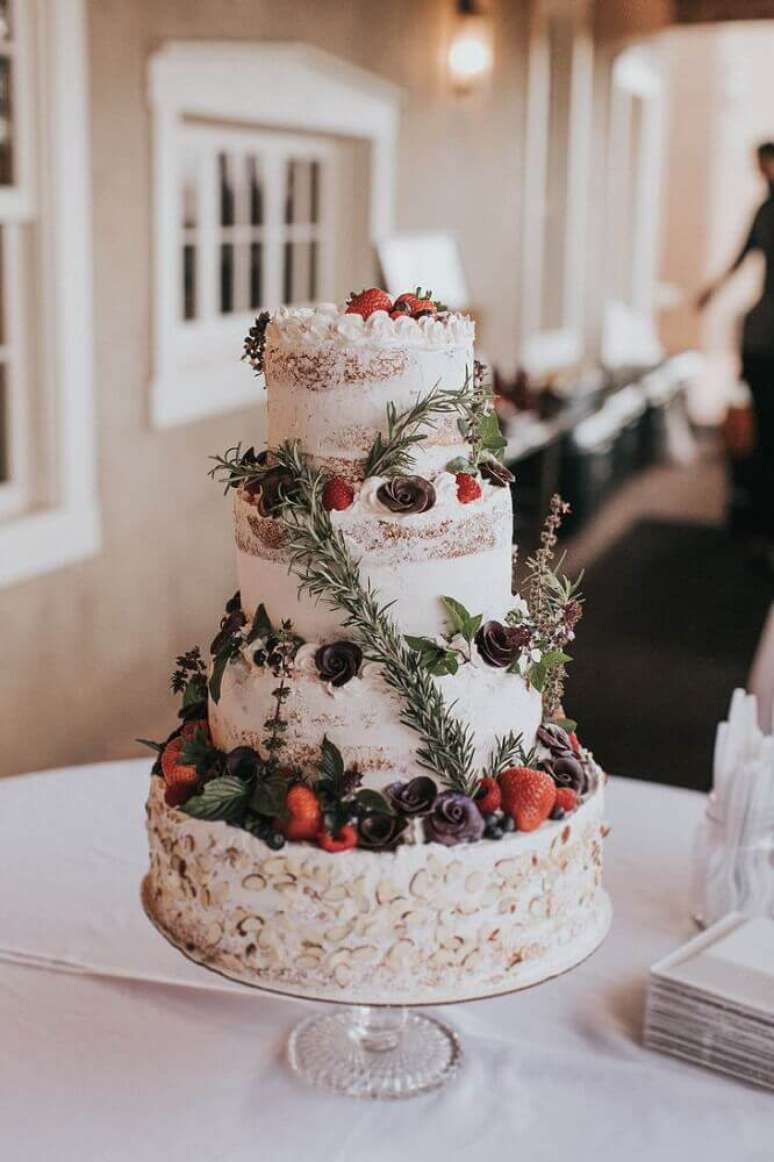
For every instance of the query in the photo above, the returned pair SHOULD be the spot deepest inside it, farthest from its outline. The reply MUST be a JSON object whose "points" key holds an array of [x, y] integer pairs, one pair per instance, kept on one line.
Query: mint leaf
{"points": [[195, 691], [492, 439], [460, 464], [268, 797], [369, 800], [436, 659], [331, 763], [462, 622], [224, 798], [568, 724], [157, 746], [228, 652], [261, 627]]}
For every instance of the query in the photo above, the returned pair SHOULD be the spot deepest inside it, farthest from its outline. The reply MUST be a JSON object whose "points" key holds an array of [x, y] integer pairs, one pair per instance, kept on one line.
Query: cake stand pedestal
{"points": [[374, 1052]]}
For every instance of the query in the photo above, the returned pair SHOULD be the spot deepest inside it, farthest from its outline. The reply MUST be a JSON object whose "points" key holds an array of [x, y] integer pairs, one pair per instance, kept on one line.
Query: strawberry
{"points": [[344, 839], [566, 799], [488, 796], [337, 493], [468, 488], [304, 814], [190, 729], [181, 779], [368, 301], [414, 305], [528, 796]]}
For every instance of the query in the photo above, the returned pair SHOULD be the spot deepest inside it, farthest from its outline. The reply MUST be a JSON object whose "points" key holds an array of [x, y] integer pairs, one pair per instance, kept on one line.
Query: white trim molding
{"points": [[546, 348], [65, 525], [261, 85]]}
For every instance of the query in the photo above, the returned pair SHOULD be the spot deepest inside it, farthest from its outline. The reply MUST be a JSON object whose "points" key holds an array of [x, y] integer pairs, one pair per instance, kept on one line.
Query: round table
{"points": [[116, 1048]]}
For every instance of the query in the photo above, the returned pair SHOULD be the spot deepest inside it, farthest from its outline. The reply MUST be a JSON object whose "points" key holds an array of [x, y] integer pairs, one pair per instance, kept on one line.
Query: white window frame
{"points": [[212, 336], [629, 331], [268, 86], [541, 349], [61, 523]]}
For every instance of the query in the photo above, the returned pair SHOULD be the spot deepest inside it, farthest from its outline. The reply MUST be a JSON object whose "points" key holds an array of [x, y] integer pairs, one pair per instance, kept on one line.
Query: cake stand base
{"points": [[370, 1052]]}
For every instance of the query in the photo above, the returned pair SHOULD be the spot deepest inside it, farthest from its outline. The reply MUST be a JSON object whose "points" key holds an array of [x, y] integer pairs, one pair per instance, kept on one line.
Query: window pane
{"points": [[313, 258], [255, 188], [226, 190], [314, 214], [256, 274], [6, 135], [290, 180], [226, 278], [189, 281], [5, 466], [5, 19], [560, 47], [287, 274], [189, 208]]}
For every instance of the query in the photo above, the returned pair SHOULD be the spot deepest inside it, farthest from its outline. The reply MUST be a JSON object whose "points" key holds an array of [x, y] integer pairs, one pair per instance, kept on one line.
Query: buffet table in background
{"points": [[117, 1049]]}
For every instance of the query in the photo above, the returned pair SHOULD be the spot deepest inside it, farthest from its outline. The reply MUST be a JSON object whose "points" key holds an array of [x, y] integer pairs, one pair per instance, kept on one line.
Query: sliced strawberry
{"points": [[368, 301]]}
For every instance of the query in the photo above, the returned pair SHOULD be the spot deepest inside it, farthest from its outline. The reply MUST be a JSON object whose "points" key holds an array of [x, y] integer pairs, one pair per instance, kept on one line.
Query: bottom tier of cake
{"points": [[422, 924]]}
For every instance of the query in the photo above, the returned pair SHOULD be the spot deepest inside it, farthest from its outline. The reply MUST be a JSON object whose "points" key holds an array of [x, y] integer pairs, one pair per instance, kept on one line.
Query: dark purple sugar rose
{"points": [[562, 764], [338, 662], [380, 831], [407, 494], [454, 819], [499, 644], [496, 473], [413, 798], [272, 489]]}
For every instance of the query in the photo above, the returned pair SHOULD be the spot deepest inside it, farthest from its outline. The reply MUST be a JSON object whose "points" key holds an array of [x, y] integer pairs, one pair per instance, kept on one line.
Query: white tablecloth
{"points": [[100, 1069]]}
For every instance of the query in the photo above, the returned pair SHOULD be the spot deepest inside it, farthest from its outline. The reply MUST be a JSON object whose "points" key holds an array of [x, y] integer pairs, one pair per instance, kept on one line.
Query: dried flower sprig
{"points": [[255, 342]]}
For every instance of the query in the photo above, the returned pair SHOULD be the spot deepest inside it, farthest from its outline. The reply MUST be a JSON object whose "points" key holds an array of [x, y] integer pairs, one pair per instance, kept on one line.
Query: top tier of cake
{"points": [[330, 376]]}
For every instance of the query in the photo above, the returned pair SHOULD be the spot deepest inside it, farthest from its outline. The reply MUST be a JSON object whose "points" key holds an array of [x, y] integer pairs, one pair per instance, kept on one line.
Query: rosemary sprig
{"points": [[320, 559], [236, 467], [391, 455], [506, 749]]}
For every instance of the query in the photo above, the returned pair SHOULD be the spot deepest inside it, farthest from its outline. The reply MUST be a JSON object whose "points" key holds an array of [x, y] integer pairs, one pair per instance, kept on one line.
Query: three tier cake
{"points": [[372, 794]]}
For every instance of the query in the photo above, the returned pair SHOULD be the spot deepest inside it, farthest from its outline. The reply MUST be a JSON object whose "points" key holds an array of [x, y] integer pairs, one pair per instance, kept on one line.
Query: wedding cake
{"points": [[372, 794]]}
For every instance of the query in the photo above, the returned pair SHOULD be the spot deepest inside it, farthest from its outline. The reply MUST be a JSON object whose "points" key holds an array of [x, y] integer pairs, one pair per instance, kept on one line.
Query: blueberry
{"points": [[491, 820], [275, 840], [557, 813], [508, 824]]}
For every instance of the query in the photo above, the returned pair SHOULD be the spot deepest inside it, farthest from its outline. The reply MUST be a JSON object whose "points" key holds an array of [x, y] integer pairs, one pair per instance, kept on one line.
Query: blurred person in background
{"points": [[758, 355]]}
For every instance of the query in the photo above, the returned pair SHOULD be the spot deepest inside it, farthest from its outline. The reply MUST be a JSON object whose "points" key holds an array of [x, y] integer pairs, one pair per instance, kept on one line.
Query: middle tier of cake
{"points": [[454, 549], [363, 717]]}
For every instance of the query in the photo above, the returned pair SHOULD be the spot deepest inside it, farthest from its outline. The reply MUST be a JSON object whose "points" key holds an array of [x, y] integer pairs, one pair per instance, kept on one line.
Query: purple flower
{"points": [[496, 473], [381, 831], [338, 662], [407, 494], [454, 819], [413, 798], [500, 645]]}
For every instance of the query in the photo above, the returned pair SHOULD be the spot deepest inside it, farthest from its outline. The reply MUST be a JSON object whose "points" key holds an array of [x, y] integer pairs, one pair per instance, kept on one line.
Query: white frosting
{"points": [[419, 924], [457, 550], [362, 717], [326, 323]]}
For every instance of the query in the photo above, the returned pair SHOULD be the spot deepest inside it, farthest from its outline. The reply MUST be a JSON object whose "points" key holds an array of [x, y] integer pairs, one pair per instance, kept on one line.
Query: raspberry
{"points": [[566, 799], [468, 488], [488, 797], [344, 840], [304, 814], [337, 494]]}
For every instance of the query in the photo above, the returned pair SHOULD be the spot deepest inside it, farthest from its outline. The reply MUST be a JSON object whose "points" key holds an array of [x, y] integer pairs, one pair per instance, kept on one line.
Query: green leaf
{"points": [[261, 627], [460, 464], [221, 660], [224, 798], [268, 797], [492, 439], [568, 724], [331, 763], [434, 658], [195, 691], [157, 746], [462, 622], [421, 645]]}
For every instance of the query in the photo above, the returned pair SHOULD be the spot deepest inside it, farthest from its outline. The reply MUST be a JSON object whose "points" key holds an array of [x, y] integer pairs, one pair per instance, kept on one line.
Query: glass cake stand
{"points": [[367, 1050]]}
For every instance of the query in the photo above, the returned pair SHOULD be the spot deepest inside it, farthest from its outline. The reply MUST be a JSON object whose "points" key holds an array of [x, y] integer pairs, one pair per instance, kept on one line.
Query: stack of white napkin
{"points": [[712, 1002], [734, 860]]}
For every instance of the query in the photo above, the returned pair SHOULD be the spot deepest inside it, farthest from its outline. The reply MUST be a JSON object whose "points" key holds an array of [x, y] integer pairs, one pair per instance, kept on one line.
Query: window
{"points": [[48, 506], [634, 180], [274, 179], [559, 110], [266, 235]]}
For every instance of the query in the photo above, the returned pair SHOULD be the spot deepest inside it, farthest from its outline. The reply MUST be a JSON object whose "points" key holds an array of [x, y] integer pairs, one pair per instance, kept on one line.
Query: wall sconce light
{"points": [[470, 50]]}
